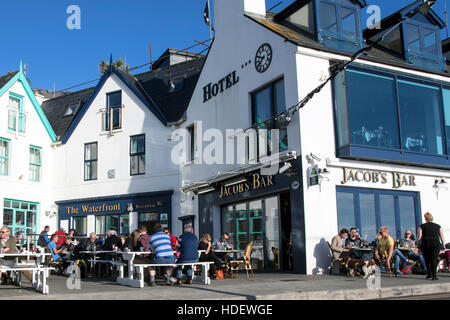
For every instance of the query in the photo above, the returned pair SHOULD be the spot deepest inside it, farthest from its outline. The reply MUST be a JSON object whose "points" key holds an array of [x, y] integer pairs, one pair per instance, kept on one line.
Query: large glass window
{"points": [[90, 161], [375, 208], [268, 102], [20, 217], [420, 116], [446, 99], [137, 155], [100, 225], [35, 164], [4, 157], [372, 117]]}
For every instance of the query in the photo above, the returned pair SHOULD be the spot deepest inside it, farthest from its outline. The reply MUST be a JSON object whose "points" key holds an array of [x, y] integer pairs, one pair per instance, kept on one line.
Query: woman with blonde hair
{"points": [[431, 242], [206, 245]]}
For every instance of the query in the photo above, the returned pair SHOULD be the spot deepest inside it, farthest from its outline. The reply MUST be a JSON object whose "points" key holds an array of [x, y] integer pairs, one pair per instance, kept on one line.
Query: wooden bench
{"points": [[39, 276], [139, 268]]}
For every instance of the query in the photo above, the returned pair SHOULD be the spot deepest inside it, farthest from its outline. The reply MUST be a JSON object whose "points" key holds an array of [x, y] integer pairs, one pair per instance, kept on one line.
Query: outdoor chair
{"points": [[245, 261], [59, 266], [276, 253], [333, 260]]}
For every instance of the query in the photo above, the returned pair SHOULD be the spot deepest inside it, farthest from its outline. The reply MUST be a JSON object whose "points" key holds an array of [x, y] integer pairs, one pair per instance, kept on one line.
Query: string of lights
{"points": [[334, 71], [147, 64]]}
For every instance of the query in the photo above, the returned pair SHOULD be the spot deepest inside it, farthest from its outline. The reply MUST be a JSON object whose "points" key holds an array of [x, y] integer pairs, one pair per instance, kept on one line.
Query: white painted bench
{"points": [[139, 268], [39, 276]]}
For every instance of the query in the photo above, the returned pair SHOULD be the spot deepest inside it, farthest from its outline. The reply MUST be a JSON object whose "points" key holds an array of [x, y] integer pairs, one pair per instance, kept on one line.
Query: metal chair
{"points": [[333, 260], [245, 261]]}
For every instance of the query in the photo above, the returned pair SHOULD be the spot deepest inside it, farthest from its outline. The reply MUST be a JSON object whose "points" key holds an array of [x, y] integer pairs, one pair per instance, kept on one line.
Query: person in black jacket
{"points": [[209, 255], [431, 238], [112, 241]]}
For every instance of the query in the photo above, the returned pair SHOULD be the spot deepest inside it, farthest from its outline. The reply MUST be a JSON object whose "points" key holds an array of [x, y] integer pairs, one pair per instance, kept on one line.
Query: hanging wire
{"points": [[149, 63]]}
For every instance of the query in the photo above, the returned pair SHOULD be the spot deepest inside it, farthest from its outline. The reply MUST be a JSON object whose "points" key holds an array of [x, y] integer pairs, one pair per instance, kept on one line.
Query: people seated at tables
{"points": [[144, 239], [101, 240], [8, 246], [173, 239], [386, 251], [160, 244], [408, 242], [56, 257], [112, 241], [134, 244], [61, 236], [68, 245], [222, 244], [206, 245], [337, 244], [445, 255], [188, 246], [354, 241], [44, 238]]}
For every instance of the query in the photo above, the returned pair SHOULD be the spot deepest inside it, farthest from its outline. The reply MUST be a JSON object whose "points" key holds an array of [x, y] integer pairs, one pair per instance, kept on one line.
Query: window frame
{"points": [[20, 117], [356, 191], [273, 111], [137, 154], [90, 161], [352, 151], [6, 158], [33, 164], [422, 58], [107, 114], [191, 130], [343, 44]]}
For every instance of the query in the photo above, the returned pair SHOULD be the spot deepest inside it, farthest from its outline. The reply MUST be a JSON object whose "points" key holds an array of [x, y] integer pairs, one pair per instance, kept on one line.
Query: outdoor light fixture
{"points": [[438, 185], [236, 181], [206, 190], [322, 177], [285, 167], [130, 207]]}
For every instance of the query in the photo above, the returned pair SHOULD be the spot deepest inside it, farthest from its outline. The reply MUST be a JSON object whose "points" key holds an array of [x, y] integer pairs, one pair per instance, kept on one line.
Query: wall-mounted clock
{"points": [[263, 58]]}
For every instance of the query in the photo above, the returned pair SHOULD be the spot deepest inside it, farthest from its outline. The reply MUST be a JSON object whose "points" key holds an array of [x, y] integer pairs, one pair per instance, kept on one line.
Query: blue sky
{"points": [[36, 32]]}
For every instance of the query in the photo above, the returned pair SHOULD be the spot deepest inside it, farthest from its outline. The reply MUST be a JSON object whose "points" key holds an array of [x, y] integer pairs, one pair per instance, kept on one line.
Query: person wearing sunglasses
{"points": [[408, 241], [7, 245]]}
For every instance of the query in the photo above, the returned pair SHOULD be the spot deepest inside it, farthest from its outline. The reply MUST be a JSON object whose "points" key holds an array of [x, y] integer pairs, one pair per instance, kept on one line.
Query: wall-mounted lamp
{"points": [[322, 176], [438, 185], [50, 214], [130, 207]]}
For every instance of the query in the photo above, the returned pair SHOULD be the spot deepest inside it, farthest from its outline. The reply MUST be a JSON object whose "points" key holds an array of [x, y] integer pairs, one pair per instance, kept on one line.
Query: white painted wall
{"points": [[17, 184]]}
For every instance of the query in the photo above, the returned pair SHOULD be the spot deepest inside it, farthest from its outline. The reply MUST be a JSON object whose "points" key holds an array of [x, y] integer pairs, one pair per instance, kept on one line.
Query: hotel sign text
{"points": [[360, 175]]}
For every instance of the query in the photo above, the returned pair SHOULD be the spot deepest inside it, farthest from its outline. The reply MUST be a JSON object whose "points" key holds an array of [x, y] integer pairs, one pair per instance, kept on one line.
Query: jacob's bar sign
{"points": [[398, 179], [256, 182]]}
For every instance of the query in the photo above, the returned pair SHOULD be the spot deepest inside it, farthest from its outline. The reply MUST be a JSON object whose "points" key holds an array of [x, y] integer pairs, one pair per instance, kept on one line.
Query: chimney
{"points": [[227, 12]]}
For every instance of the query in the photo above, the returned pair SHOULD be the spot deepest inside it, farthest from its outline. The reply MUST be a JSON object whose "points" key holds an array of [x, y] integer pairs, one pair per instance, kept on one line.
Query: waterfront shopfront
{"points": [[266, 210], [122, 213]]}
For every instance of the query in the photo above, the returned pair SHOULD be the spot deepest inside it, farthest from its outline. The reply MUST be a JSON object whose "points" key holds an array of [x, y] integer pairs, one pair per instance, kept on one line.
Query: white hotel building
{"points": [[378, 135]]}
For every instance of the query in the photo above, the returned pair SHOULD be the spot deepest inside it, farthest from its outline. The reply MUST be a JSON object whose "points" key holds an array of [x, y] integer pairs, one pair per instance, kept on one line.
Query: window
{"points": [[339, 26], [268, 102], [383, 116], [423, 46], [372, 117], [176, 85], [4, 157], [191, 130], [71, 109], [80, 225], [100, 225], [369, 209], [421, 121], [303, 18], [113, 114], [20, 217], [90, 161], [16, 116], [137, 155], [446, 99], [35, 164]]}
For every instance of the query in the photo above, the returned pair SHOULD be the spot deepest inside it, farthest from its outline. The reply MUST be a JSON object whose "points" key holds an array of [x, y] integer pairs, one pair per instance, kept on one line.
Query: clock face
{"points": [[263, 58]]}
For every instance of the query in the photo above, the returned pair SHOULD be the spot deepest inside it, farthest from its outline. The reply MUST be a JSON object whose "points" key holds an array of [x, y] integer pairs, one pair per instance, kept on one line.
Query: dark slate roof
{"points": [[157, 84], [55, 109], [153, 86], [307, 40], [5, 79]]}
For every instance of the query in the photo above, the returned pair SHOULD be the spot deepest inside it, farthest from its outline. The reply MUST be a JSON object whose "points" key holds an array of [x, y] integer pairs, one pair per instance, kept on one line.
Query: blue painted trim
{"points": [[112, 70], [9, 155], [117, 197]]}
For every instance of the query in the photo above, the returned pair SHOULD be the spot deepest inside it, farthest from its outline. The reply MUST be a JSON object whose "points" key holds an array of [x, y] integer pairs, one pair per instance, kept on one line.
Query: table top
{"points": [[406, 248], [28, 254], [102, 251], [362, 249], [228, 251]]}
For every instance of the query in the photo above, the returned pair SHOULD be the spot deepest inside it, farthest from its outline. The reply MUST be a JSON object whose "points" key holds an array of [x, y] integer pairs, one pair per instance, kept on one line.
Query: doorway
{"points": [[149, 220], [286, 232]]}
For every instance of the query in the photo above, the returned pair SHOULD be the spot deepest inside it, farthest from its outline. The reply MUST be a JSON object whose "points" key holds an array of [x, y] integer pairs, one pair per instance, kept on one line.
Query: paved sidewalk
{"points": [[276, 286]]}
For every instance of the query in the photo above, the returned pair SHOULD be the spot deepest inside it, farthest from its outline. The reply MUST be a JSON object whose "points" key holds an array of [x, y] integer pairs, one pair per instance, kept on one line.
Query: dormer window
{"points": [[422, 45], [335, 23], [71, 109], [112, 119]]}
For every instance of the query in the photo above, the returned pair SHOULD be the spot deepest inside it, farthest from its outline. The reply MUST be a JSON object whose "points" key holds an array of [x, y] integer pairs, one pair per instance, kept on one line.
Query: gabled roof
{"points": [[152, 88], [6, 82], [308, 41]]}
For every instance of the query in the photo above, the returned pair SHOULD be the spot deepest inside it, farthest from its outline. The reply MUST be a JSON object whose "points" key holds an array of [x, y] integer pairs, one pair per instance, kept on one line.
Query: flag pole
{"points": [[210, 21]]}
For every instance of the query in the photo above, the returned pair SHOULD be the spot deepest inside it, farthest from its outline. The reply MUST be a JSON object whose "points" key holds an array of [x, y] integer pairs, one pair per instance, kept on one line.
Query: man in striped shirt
{"points": [[160, 243]]}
